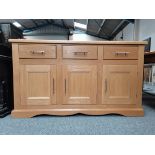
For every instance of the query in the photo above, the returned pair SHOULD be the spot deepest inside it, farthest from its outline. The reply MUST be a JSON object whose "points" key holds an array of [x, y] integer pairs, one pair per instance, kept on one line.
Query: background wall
{"points": [[147, 29], [76, 37], [128, 33], [83, 37], [141, 30], [48, 37]]}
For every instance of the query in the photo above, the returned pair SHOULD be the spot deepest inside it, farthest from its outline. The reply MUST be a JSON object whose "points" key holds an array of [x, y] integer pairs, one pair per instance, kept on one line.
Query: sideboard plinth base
{"points": [[22, 113]]}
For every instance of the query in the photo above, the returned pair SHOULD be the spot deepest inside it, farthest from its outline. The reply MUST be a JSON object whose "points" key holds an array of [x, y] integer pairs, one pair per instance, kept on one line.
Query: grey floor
{"points": [[83, 125]]}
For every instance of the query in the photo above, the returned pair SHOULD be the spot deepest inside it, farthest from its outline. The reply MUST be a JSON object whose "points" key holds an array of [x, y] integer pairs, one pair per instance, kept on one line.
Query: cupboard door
{"points": [[38, 83], [119, 84], [80, 84]]}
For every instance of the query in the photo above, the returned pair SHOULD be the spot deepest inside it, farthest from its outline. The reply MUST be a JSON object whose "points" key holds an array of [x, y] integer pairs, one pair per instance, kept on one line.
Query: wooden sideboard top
{"points": [[76, 42]]}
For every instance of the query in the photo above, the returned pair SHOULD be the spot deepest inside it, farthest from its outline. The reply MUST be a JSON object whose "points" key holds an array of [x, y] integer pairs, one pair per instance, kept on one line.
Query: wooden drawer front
{"points": [[80, 52], [37, 51], [120, 52]]}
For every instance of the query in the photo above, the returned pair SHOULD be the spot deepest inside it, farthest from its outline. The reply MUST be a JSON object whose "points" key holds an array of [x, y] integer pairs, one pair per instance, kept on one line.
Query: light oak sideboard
{"points": [[70, 77]]}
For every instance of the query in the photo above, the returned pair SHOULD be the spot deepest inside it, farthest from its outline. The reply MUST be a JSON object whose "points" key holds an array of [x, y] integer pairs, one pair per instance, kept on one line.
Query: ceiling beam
{"points": [[52, 21], [87, 24], [130, 20], [117, 27], [41, 26], [97, 22], [47, 21], [51, 30], [20, 24], [64, 24], [34, 22], [98, 36], [101, 25]]}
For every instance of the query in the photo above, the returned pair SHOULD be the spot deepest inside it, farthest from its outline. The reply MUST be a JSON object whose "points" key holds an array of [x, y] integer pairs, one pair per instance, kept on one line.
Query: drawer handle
{"points": [[80, 53], [38, 52], [121, 53]]}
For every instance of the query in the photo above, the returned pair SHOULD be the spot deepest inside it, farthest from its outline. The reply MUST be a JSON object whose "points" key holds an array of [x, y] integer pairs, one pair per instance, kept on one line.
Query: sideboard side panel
{"points": [[16, 80], [140, 74]]}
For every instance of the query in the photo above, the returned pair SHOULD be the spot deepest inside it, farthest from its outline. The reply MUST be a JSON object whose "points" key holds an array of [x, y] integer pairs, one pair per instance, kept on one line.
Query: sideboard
{"points": [[70, 77]]}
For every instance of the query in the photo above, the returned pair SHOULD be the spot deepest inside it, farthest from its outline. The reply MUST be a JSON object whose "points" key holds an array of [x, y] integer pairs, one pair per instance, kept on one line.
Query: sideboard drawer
{"points": [[37, 51], [80, 52], [120, 52]]}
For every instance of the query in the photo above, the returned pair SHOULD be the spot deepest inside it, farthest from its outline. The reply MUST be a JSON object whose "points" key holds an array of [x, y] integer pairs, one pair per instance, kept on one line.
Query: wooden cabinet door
{"points": [[119, 84], [79, 84], [38, 83]]}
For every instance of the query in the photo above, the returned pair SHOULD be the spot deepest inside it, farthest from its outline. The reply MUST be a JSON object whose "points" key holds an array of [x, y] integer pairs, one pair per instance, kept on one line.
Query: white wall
{"points": [[128, 33], [147, 29], [84, 37], [48, 37], [76, 37], [141, 30]]}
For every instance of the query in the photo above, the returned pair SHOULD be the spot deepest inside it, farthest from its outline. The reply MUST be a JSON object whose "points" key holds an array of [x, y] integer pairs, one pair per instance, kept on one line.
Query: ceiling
{"points": [[102, 28]]}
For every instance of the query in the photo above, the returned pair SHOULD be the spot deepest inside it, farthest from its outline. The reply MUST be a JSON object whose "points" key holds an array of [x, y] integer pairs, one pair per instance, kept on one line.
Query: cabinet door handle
{"points": [[65, 86], [105, 86], [53, 86]]}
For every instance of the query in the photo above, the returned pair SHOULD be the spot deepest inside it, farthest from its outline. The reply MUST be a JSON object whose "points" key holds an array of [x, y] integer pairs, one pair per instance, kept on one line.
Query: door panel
{"points": [[119, 84], [38, 84], [80, 84]]}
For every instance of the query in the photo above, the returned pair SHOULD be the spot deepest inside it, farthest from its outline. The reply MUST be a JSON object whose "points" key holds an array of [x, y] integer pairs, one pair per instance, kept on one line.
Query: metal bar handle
{"points": [[84, 53], [121, 53], [105, 86], [53, 86], [38, 52], [65, 86]]}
